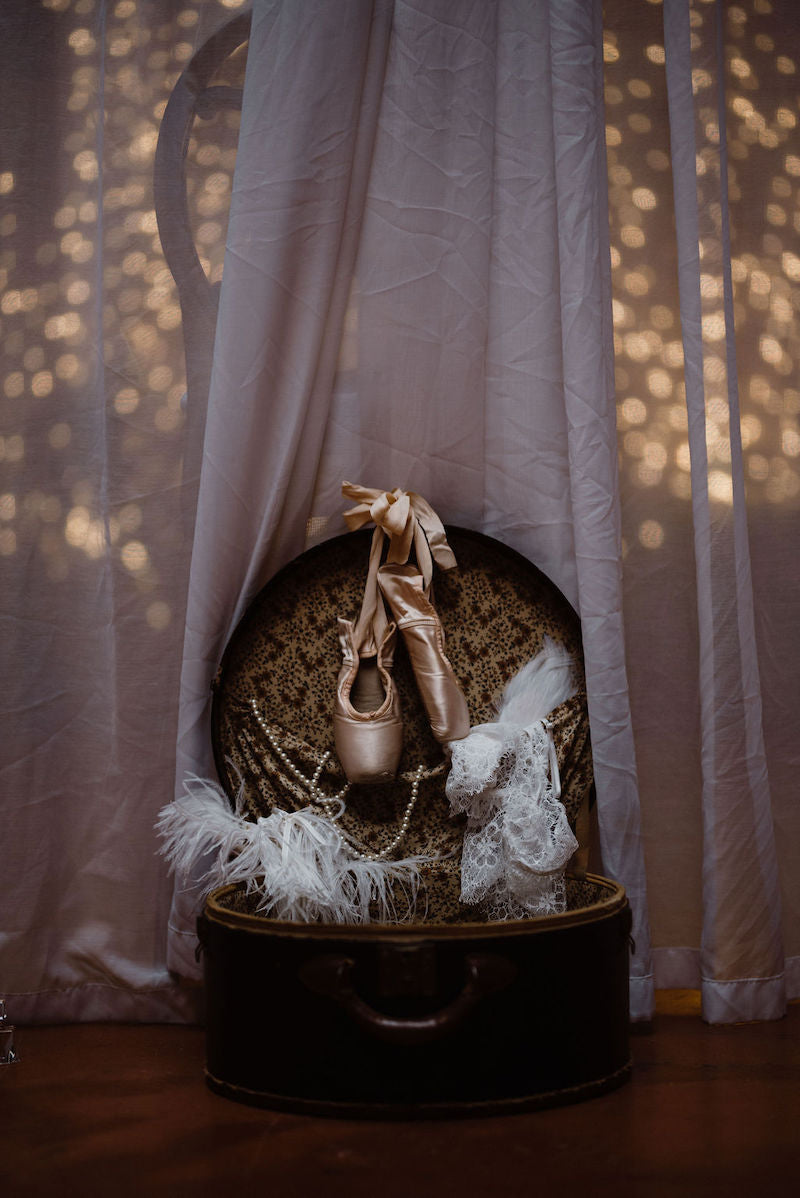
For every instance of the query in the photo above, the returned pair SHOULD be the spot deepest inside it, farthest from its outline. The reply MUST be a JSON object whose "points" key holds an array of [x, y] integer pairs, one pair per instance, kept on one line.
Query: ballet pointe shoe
{"points": [[403, 588], [367, 725]]}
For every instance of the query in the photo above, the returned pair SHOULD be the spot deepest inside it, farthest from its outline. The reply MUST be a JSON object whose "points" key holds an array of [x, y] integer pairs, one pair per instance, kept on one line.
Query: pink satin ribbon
{"points": [[406, 519]]}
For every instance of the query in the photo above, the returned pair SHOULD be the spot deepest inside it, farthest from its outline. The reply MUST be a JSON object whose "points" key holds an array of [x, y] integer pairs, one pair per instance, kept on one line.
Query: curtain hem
{"points": [[642, 998], [739, 1000], [744, 1000], [98, 1002]]}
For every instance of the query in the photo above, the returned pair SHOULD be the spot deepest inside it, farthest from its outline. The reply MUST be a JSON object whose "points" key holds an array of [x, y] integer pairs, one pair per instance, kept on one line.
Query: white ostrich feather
{"points": [[543, 683], [294, 860]]}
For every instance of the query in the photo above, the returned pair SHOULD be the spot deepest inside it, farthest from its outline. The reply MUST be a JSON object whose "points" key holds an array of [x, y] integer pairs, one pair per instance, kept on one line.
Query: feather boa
{"points": [[294, 860]]}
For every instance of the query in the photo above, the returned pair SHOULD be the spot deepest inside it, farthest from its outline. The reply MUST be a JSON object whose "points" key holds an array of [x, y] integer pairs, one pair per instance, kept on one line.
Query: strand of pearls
{"points": [[404, 823], [333, 805], [310, 784]]}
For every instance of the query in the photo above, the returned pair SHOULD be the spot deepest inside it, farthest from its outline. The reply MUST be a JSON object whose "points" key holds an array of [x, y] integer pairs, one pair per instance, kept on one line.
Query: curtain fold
{"points": [[742, 954], [312, 93], [587, 352]]}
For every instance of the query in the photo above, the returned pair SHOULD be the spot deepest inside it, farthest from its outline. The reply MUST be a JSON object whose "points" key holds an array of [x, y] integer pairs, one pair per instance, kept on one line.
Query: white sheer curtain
{"points": [[416, 292], [443, 163], [702, 137], [96, 504], [741, 957]]}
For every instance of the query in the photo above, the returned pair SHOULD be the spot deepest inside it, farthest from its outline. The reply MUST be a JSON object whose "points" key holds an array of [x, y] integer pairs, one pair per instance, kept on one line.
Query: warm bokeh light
{"points": [[651, 534], [764, 196], [90, 322], [720, 487], [159, 615], [134, 556], [59, 436]]}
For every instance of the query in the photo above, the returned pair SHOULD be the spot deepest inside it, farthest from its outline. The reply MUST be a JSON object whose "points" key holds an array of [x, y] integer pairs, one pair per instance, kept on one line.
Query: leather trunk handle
{"points": [[333, 976]]}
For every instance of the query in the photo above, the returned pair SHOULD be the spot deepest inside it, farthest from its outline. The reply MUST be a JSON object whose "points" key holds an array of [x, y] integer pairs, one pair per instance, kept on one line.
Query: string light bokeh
{"points": [[762, 83], [90, 324]]}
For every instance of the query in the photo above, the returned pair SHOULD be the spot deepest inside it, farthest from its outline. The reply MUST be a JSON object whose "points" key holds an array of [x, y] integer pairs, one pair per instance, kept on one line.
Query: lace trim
{"points": [[518, 841]]}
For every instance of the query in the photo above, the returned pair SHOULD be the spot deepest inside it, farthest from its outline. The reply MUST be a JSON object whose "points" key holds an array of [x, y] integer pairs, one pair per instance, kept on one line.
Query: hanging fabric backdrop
{"points": [[417, 292]]}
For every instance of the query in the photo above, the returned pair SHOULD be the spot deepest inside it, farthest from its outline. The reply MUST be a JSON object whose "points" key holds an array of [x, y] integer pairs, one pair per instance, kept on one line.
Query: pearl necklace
{"points": [[333, 805], [310, 784]]}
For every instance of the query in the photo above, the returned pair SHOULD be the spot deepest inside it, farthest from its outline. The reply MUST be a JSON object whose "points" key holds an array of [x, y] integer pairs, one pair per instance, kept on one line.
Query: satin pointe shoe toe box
{"points": [[418, 621], [368, 739]]}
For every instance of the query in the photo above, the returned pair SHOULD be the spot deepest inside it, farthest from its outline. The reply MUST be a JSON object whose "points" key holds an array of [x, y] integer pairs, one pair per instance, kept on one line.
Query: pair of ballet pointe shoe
{"points": [[368, 725]]}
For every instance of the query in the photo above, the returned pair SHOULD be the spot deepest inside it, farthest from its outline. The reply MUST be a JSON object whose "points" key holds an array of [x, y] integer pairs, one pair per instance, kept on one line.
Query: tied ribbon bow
{"points": [[406, 519]]}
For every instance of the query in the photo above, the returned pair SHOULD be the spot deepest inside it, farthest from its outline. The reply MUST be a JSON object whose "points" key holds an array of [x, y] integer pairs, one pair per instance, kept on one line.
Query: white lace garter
{"points": [[504, 776]]}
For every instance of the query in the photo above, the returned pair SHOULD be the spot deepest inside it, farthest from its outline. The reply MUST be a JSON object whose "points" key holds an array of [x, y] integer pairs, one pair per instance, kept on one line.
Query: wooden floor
{"points": [[113, 1111]]}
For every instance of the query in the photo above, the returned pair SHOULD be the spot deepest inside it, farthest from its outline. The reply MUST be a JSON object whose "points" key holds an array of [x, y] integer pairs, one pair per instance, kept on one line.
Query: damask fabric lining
{"points": [[496, 610]]}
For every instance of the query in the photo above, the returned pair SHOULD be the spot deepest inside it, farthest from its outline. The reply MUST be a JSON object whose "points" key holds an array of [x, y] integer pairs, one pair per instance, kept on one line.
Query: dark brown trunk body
{"points": [[418, 1019]]}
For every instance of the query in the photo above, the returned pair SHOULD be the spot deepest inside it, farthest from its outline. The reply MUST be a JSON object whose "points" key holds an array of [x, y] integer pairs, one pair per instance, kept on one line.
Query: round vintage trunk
{"points": [[418, 1020], [446, 1011]]}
